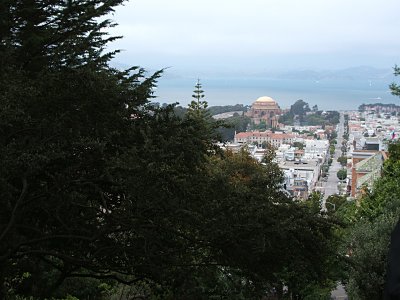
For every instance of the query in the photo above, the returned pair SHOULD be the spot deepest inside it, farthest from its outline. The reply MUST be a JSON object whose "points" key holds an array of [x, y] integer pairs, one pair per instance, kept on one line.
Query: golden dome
{"points": [[265, 99], [265, 103]]}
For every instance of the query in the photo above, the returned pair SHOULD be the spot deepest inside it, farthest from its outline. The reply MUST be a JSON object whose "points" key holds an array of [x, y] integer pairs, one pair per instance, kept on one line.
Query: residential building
{"points": [[366, 168]]}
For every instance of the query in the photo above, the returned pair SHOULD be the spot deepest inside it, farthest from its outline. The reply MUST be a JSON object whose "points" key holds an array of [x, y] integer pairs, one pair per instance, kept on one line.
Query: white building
{"points": [[257, 137], [300, 171], [316, 149]]}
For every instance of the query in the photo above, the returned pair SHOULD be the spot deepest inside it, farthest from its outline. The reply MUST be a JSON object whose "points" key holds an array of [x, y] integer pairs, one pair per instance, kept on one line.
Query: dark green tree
{"points": [[341, 174], [262, 212], [232, 125], [300, 108], [215, 110], [335, 201], [298, 145], [68, 122], [342, 160]]}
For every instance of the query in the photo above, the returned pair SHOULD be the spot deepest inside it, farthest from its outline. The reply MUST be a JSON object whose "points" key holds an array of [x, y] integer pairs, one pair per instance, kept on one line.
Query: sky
{"points": [[246, 36]]}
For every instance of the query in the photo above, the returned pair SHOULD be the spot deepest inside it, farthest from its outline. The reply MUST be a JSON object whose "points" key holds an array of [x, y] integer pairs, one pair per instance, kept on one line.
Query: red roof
{"points": [[282, 136]]}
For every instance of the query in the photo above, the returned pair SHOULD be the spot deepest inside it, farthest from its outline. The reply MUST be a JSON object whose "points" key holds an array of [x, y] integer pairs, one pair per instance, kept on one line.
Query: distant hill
{"points": [[362, 72], [353, 73], [216, 110]]}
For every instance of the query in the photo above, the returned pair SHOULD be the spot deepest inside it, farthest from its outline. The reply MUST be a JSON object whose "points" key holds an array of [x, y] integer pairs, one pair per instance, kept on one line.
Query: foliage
{"points": [[332, 117], [301, 112], [368, 236], [286, 118], [232, 125], [297, 112], [331, 149], [215, 110], [238, 123], [80, 147], [394, 87], [341, 174], [298, 145], [262, 126], [325, 170], [342, 160], [320, 289], [300, 108], [198, 106], [98, 186], [314, 119], [332, 136], [367, 244], [336, 201], [180, 111], [313, 202]]}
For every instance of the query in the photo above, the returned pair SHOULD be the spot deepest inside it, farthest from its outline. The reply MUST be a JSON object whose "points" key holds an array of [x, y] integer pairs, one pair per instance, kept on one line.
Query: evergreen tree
{"points": [[67, 123], [198, 104], [395, 88]]}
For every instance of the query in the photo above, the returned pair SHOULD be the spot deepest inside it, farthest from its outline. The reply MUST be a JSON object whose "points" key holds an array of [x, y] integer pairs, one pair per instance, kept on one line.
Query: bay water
{"points": [[328, 94]]}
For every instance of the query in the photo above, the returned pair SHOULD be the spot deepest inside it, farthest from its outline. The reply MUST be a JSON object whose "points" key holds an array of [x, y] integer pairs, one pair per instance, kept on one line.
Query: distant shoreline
{"points": [[328, 94]]}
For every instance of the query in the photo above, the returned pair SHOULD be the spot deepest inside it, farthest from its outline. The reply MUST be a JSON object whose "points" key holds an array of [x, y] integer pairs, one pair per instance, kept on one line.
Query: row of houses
{"points": [[301, 167], [369, 133]]}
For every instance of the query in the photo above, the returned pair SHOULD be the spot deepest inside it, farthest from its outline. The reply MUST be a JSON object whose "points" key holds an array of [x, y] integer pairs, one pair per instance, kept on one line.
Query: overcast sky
{"points": [[258, 35]]}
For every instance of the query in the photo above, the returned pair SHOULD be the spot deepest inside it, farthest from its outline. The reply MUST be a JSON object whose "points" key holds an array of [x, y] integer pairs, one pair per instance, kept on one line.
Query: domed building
{"points": [[265, 109]]}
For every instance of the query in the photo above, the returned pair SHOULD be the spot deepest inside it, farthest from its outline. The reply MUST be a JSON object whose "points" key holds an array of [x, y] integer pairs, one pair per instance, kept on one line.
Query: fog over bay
{"points": [[288, 40]]}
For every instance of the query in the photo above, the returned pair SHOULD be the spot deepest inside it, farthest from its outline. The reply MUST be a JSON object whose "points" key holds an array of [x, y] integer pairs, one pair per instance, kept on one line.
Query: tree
{"points": [[300, 108], [342, 160], [332, 150], [232, 125], [198, 104], [98, 185], [298, 145], [286, 118], [395, 88], [262, 212], [75, 139], [368, 244], [332, 136], [337, 201], [314, 119], [367, 237], [215, 110], [341, 174]]}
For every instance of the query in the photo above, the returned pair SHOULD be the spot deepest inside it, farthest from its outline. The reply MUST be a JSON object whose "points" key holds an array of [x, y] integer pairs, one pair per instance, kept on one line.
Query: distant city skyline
{"points": [[257, 35]]}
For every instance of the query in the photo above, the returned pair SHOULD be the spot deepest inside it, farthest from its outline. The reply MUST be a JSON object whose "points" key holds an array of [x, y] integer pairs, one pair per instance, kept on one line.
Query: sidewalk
{"points": [[339, 293]]}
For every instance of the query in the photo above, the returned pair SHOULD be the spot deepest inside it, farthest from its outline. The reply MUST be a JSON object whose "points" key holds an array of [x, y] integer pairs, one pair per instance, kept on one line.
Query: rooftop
{"points": [[265, 99]]}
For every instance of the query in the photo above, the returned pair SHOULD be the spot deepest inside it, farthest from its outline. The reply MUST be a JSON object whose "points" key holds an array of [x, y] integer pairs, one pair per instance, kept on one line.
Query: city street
{"points": [[331, 185], [331, 188]]}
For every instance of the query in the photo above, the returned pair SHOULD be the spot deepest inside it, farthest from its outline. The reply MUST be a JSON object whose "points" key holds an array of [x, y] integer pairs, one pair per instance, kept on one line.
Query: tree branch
{"points": [[14, 212], [109, 276]]}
